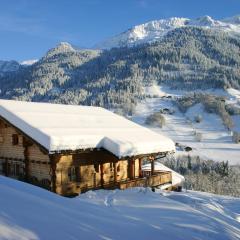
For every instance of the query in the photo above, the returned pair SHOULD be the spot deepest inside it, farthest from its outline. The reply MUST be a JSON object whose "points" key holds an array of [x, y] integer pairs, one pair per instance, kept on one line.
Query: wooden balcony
{"points": [[155, 180]]}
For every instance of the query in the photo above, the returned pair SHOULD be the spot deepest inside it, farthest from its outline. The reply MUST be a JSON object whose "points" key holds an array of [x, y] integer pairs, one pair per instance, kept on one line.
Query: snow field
{"points": [[28, 212]]}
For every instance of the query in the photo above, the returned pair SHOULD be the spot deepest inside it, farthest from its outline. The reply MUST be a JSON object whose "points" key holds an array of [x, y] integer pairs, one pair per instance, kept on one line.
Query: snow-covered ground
{"points": [[28, 212], [216, 143]]}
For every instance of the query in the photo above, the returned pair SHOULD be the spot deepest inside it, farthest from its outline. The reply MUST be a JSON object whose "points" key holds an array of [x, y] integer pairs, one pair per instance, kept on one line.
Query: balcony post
{"points": [[140, 167], [115, 171], [152, 165], [102, 175], [131, 168]]}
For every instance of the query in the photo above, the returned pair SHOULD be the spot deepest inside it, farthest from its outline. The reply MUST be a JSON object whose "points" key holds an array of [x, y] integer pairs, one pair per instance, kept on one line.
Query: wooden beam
{"points": [[158, 154], [115, 171], [12, 159], [140, 167], [152, 167], [102, 175], [96, 152], [133, 168], [54, 159], [27, 163]]}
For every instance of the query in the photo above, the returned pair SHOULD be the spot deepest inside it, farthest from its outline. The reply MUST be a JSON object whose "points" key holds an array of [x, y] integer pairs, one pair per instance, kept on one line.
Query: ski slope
{"points": [[216, 143], [28, 212]]}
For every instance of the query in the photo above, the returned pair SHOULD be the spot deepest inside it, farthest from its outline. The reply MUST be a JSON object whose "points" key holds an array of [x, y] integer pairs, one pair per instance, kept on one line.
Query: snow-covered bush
{"points": [[186, 102], [198, 118], [156, 119], [198, 136], [212, 104], [236, 137]]}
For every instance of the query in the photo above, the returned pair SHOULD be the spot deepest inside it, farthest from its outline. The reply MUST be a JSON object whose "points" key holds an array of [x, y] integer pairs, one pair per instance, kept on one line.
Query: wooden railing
{"points": [[151, 181]]}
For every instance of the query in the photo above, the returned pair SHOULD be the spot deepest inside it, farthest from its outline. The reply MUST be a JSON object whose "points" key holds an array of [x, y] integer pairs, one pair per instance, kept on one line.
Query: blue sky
{"points": [[28, 28]]}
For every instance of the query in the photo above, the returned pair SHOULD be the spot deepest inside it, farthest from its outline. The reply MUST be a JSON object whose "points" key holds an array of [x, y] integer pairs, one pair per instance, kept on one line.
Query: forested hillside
{"points": [[186, 58]]}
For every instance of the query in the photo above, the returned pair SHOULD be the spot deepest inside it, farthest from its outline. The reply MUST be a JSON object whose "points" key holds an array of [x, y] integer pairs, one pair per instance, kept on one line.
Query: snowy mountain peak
{"points": [[233, 20], [160, 25], [153, 27], [62, 47], [65, 46], [146, 32], [29, 62], [155, 30], [205, 21]]}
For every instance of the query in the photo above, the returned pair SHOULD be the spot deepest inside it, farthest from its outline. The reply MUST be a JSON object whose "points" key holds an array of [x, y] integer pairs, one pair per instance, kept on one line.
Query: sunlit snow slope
{"points": [[28, 212]]}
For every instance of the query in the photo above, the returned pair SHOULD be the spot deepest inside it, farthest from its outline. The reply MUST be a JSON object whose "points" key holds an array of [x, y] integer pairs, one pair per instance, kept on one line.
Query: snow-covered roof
{"points": [[60, 127], [177, 179]]}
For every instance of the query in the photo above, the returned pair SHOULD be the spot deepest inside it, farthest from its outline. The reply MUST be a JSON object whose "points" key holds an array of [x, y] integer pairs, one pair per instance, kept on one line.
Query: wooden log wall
{"points": [[95, 169], [26, 155], [6, 147]]}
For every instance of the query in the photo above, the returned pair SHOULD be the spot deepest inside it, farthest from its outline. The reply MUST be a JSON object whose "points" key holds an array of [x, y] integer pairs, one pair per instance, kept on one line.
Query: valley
{"points": [[216, 143]]}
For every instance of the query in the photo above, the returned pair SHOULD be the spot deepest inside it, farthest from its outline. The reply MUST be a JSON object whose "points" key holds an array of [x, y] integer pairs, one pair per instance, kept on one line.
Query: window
{"points": [[96, 167], [118, 168], [15, 169], [15, 139], [72, 174]]}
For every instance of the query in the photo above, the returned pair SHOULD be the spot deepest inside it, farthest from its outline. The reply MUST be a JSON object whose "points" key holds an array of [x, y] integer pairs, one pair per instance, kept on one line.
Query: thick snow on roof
{"points": [[177, 179], [66, 127]]}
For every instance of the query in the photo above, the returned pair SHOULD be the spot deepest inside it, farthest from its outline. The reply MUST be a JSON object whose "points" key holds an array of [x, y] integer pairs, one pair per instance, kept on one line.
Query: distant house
{"points": [[71, 149]]}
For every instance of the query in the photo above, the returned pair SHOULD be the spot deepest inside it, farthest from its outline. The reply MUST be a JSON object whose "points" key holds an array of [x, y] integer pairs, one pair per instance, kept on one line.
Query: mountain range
{"points": [[155, 30], [178, 52]]}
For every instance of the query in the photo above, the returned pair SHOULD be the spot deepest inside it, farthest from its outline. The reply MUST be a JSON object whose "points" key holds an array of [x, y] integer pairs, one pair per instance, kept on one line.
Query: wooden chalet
{"points": [[71, 149]]}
